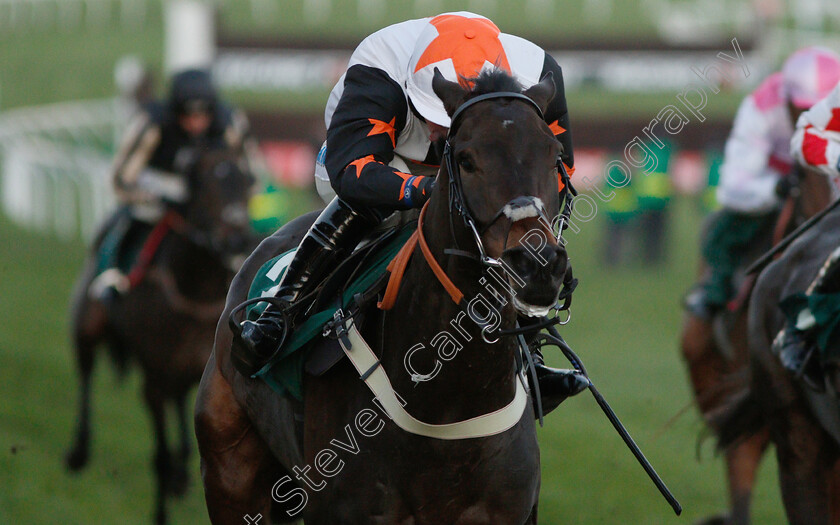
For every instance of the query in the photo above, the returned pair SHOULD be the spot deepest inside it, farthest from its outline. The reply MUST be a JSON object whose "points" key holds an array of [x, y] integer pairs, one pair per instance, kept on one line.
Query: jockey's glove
{"points": [[423, 192]]}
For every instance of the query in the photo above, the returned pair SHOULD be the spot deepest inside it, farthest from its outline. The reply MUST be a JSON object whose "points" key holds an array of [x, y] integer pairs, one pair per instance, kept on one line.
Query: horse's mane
{"points": [[492, 81]]}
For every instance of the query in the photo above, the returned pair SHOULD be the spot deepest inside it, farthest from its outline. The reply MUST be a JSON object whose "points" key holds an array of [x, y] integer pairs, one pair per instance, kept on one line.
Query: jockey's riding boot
{"points": [[334, 235], [108, 286], [556, 384], [709, 297], [798, 354]]}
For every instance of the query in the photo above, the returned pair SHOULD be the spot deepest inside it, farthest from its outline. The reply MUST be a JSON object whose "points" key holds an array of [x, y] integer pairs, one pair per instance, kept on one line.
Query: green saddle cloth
{"points": [[284, 373], [121, 245], [826, 311]]}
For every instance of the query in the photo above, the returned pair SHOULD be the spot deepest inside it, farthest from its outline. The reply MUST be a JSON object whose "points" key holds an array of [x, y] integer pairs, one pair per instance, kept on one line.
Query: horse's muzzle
{"points": [[537, 276]]}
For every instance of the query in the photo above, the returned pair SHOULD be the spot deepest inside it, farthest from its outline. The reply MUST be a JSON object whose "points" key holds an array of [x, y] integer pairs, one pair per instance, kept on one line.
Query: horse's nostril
{"points": [[559, 262]]}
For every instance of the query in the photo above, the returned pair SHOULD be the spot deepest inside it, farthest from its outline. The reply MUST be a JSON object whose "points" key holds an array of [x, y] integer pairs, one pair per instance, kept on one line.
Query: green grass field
{"points": [[625, 327]]}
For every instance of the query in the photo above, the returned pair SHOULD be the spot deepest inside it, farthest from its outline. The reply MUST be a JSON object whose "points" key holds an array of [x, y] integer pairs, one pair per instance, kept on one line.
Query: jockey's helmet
{"points": [[809, 75], [192, 91], [460, 45]]}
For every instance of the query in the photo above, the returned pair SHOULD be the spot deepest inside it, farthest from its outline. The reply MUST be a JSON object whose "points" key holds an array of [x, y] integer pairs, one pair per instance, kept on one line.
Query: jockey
{"points": [[756, 158], [815, 145], [157, 151], [383, 113]]}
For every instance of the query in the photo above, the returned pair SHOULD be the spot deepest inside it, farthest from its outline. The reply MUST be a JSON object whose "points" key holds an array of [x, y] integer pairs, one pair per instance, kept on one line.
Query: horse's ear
{"points": [[543, 91], [451, 93]]}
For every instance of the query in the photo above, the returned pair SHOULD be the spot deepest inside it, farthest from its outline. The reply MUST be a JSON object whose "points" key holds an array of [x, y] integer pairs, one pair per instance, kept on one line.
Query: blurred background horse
{"points": [[165, 323]]}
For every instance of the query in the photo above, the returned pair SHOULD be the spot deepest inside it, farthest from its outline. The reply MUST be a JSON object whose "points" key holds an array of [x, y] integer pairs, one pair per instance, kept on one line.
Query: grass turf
{"points": [[625, 327]]}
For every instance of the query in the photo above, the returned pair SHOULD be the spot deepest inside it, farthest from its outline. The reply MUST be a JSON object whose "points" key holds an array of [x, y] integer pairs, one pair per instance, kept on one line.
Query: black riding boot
{"points": [[334, 235], [556, 384]]}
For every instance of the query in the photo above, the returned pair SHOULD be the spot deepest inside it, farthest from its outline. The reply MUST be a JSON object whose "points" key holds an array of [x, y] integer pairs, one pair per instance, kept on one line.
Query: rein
{"points": [[175, 222]]}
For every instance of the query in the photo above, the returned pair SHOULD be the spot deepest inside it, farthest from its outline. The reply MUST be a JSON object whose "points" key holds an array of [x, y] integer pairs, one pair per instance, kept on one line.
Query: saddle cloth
{"points": [[284, 373]]}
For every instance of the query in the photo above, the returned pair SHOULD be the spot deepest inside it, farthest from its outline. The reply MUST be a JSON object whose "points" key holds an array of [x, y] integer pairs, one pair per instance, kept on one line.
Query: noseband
{"points": [[458, 201]]}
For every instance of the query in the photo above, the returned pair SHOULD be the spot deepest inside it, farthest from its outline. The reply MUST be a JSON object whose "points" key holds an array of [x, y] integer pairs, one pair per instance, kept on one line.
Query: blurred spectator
{"points": [[621, 211], [708, 198], [654, 191], [637, 215]]}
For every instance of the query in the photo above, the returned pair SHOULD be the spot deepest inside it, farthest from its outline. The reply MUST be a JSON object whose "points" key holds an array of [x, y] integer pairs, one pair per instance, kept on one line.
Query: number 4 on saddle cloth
{"points": [[349, 287]]}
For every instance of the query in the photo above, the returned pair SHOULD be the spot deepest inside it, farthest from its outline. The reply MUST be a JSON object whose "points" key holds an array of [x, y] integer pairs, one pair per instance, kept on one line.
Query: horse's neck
{"points": [[199, 274], [480, 377]]}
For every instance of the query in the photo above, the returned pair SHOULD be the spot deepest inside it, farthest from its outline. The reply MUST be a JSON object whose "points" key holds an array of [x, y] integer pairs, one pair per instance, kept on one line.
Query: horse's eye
{"points": [[466, 164]]}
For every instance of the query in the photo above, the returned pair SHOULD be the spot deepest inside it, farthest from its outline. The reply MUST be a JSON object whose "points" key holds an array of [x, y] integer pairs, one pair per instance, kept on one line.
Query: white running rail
{"points": [[54, 165]]}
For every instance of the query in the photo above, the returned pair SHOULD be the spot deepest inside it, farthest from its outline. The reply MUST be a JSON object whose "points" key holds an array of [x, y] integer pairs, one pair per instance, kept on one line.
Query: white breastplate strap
{"points": [[376, 379]]}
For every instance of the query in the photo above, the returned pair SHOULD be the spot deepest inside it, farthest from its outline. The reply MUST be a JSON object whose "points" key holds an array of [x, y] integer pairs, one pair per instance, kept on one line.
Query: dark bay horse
{"points": [[717, 354], [776, 404], [259, 449], [167, 321]]}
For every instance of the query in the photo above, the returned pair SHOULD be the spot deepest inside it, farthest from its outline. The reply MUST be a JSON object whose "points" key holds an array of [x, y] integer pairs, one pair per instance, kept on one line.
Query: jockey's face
{"points": [[436, 132], [195, 123]]}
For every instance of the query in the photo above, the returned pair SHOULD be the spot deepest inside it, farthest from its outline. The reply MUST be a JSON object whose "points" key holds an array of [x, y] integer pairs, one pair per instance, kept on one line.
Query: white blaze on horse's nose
{"points": [[516, 212], [506, 123]]}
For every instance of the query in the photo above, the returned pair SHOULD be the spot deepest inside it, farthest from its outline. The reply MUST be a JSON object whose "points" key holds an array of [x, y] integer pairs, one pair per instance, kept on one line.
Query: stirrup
{"points": [[810, 371], [245, 361], [805, 368]]}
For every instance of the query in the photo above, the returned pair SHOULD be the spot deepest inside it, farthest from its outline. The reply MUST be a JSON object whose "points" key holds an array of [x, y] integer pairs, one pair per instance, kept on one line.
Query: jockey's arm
{"points": [[137, 147], [361, 139], [816, 142], [748, 178], [557, 113]]}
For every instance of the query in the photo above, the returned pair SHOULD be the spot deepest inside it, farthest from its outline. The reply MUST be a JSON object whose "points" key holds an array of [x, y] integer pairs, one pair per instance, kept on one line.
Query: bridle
{"points": [[201, 236], [458, 204], [458, 201]]}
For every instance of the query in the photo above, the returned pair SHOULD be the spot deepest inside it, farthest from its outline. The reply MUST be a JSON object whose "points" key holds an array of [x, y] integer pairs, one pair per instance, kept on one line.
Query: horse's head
{"points": [[216, 213], [500, 172]]}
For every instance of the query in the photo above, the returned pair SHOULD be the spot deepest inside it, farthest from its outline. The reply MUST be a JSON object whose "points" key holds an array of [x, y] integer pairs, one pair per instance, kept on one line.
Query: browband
{"points": [[488, 96]]}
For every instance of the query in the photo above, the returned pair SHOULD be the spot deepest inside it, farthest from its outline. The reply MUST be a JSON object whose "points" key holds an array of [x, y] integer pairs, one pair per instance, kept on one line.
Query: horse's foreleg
{"points": [[88, 325], [237, 467], [179, 479], [532, 518], [706, 366], [162, 460], [804, 470], [742, 462], [834, 492]]}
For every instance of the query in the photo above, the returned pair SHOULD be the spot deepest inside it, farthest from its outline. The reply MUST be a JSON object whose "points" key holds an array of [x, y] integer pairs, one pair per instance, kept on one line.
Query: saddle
{"points": [[351, 287]]}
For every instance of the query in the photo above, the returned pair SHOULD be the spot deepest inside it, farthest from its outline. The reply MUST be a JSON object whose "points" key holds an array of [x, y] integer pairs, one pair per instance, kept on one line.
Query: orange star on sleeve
{"points": [[359, 164], [556, 128], [380, 126]]}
